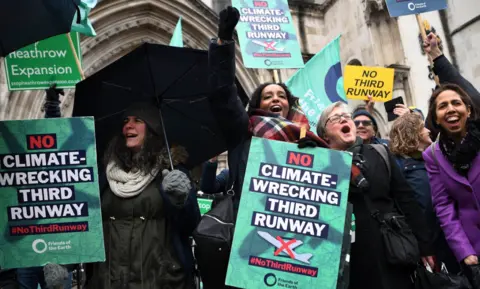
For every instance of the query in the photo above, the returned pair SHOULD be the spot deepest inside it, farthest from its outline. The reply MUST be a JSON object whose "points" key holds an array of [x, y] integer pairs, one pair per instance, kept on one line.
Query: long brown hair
{"points": [[405, 134], [432, 105]]}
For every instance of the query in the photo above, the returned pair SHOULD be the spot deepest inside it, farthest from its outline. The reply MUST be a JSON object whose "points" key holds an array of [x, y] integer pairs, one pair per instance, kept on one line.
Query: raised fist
{"points": [[228, 20], [53, 94]]}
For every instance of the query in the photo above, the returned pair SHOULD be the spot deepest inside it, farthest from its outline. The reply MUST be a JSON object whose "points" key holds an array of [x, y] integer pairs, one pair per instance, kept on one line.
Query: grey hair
{"points": [[322, 122]]}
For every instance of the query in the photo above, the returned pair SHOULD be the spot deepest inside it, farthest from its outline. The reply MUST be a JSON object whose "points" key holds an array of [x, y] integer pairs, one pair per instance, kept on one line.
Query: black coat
{"points": [[369, 267], [229, 112]]}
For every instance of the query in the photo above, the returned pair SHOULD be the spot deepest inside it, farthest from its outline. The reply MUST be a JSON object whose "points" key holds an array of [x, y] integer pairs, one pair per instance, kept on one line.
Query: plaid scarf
{"points": [[272, 126]]}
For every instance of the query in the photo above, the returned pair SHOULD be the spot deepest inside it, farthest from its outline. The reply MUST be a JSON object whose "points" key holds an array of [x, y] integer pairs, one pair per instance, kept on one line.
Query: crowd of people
{"points": [[425, 175]]}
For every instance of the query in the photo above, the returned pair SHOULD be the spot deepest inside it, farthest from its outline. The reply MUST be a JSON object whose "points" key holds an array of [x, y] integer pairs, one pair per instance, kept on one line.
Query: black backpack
{"points": [[213, 238]]}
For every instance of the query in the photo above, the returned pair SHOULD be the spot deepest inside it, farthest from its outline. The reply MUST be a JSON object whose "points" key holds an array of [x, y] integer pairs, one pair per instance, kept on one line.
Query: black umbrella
{"points": [[23, 22], [174, 78]]}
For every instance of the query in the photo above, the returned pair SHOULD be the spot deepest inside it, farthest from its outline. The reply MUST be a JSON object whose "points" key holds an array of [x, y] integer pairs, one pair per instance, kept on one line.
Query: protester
{"points": [[367, 127], [446, 73], [453, 165], [376, 182], [53, 275], [273, 112], [211, 183], [408, 139], [148, 211]]}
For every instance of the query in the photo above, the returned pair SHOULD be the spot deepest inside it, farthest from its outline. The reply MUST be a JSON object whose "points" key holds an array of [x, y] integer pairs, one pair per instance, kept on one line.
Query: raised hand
{"points": [[401, 109], [53, 94], [431, 46], [228, 20]]}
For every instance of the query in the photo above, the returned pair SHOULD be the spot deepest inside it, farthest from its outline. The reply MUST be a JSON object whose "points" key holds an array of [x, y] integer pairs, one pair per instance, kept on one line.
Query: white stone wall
{"points": [[466, 41]]}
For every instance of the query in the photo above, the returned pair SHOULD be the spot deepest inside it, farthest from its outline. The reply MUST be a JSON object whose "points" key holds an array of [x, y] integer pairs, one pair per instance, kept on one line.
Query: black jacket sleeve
{"points": [[224, 101], [447, 73], [52, 103], [404, 196], [211, 183]]}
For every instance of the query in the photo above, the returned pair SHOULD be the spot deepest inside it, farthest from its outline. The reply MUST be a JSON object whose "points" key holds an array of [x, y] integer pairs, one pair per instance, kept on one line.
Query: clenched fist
{"points": [[228, 20]]}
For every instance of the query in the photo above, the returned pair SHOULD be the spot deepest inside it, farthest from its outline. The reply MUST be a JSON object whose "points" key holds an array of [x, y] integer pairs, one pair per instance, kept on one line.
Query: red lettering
{"points": [[35, 142], [299, 159], [41, 141], [306, 160], [293, 158], [260, 4], [48, 141]]}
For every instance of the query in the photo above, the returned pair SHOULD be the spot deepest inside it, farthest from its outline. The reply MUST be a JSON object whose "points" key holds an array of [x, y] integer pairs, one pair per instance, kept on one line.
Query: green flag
{"points": [[177, 38], [84, 26]]}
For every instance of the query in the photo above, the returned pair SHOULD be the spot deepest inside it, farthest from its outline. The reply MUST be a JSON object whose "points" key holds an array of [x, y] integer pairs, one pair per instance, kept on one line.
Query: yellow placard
{"points": [[362, 81]]}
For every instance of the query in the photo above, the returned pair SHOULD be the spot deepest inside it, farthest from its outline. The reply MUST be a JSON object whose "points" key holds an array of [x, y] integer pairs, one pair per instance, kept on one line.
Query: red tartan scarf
{"points": [[271, 126]]}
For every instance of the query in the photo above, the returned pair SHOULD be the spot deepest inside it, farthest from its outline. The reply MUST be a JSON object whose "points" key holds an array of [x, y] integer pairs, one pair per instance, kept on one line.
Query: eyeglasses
{"points": [[337, 117], [363, 122]]}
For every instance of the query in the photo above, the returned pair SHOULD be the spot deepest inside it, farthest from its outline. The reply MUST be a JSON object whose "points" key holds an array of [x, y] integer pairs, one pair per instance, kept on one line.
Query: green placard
{"points": [[49, 195], [267, 35], [205, 205], [38, 65], [290, 224]]}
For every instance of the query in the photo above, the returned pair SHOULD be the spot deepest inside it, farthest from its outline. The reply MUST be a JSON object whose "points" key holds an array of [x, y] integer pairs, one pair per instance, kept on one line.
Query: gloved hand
{"points": [[228, 20], [53, 94], [55, 275], [306, 142], [177, 184]]}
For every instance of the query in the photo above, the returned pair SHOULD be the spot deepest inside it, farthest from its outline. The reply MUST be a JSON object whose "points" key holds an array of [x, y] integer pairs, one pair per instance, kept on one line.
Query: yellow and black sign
{"points": [[362, 81]]}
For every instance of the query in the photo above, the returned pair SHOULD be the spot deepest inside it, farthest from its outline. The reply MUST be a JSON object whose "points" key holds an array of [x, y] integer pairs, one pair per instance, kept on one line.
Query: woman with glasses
{"points": [[376, 186], [408, 139]]}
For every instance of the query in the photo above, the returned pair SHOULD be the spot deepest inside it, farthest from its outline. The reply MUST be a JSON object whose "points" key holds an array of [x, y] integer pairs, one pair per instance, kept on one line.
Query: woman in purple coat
{"points": [[453, 166]]}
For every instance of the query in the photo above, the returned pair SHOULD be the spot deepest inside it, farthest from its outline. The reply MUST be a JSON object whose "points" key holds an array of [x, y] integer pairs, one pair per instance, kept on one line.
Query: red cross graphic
{"points": [[285, 246], [270, 46]]}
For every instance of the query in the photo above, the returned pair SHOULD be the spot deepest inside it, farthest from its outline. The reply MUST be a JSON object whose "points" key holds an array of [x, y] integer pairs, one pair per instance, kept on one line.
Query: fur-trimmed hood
{"points": [[179, 156]]}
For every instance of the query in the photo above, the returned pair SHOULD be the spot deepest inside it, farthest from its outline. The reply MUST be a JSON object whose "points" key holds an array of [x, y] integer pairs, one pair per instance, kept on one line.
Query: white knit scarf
{"points": [[127, 185]]}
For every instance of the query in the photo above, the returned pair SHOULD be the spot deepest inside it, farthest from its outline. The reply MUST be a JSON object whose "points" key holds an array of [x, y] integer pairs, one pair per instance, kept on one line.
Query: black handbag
{"points": [[426, 279], [401, 245], [473, 274], [213, 238]]}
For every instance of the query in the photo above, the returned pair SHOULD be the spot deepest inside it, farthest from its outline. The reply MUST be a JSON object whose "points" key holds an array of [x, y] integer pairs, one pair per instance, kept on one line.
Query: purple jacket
{"points": [[456, 200]]}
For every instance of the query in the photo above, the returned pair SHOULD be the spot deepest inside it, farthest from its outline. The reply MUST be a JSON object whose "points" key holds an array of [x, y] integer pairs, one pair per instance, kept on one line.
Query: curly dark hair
{"points": [[432, 105], [257, 96], [144, 160]]}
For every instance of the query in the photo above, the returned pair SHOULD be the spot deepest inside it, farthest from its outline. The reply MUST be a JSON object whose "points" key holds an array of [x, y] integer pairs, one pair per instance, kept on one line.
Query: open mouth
{"points": [[453, 119], [276, 108], [130, 135], [345, 129]]}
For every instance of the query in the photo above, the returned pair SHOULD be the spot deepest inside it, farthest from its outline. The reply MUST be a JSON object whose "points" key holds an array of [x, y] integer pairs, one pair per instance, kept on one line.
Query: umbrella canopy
{"points": [[175, 78], [23, 22]]}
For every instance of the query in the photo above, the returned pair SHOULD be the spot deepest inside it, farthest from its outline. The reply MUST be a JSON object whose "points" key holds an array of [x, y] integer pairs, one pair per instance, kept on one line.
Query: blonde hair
{"points": [[405, 134]]}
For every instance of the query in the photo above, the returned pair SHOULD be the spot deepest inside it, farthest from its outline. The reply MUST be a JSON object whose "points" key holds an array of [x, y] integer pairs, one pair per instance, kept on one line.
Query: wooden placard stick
{"points": [[77, 60]]}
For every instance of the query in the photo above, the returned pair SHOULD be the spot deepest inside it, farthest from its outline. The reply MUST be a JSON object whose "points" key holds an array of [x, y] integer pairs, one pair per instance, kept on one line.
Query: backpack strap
{"points": [[382, 150]]}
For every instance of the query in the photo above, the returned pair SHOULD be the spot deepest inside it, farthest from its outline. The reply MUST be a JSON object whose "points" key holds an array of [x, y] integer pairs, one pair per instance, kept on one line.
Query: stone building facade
{"points": [[369, 37]]}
